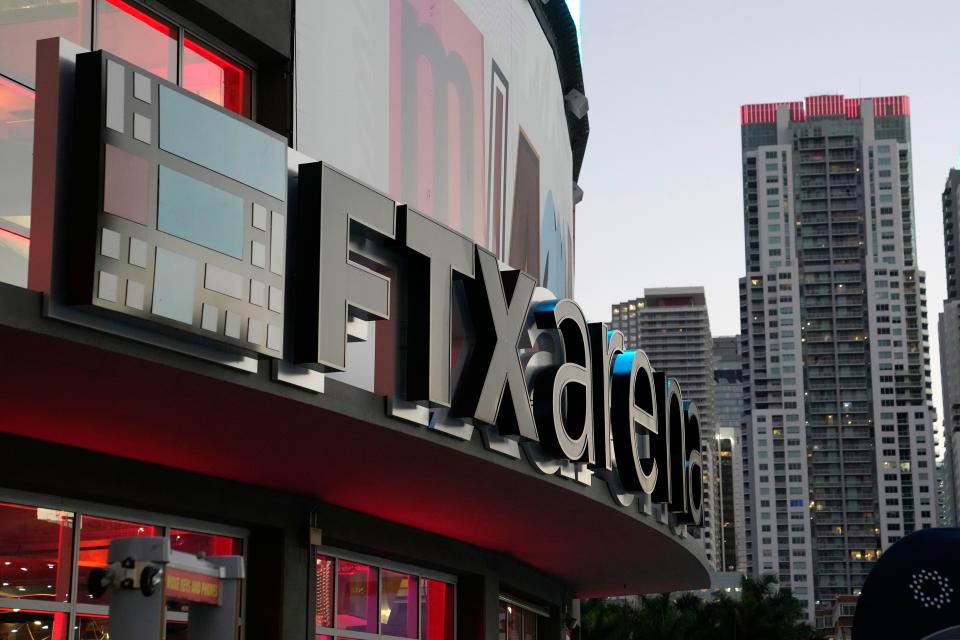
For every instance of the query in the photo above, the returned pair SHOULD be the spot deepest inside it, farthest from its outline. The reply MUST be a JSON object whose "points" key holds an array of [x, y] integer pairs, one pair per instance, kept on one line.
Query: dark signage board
{"points": [[178, 221]]}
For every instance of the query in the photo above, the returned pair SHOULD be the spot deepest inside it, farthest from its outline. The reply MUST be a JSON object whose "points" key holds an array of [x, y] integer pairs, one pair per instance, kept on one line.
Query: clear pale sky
{"points": [[666, 78]]}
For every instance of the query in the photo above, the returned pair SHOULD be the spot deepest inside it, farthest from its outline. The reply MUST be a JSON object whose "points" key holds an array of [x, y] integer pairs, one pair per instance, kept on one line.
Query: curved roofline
{"points": [[561, 32]]}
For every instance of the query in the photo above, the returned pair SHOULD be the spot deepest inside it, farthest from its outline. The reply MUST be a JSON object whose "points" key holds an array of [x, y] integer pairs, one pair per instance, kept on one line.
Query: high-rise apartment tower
{"points": [[838, 457], [949, 331], [673, 327]]}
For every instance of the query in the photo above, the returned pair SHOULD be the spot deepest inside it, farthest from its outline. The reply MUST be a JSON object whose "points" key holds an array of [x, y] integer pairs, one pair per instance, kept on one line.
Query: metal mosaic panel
{"points": [[181, 218]]}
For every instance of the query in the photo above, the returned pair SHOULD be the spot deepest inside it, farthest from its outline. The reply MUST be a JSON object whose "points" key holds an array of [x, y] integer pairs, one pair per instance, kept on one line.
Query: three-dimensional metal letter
{"points": [[562, 393], [437, 254], [334, 282], [605, 345], [492, 388], [633, 405]]}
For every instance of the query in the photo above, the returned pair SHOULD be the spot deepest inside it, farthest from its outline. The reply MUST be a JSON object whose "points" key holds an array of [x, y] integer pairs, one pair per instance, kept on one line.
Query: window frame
{"points": [[80, 508], [524, 607], [380, 564], [185, 27]]}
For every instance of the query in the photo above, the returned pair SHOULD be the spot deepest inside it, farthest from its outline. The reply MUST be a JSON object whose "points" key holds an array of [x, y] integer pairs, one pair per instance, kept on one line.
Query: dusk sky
{"points": [[665, 79]]}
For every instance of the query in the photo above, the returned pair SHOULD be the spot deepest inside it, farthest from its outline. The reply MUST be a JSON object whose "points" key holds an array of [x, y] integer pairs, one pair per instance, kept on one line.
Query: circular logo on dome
{"points": [[931, 589]]}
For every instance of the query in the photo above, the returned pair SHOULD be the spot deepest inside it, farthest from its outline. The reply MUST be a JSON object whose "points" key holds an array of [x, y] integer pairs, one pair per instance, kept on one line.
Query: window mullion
{"points": [[180, 36], [94, 34], [336, 589], [379, 600], [74, 577]]}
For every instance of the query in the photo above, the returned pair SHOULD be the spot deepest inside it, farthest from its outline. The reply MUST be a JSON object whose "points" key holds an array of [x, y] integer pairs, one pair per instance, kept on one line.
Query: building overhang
{"points": [[82, 388]]}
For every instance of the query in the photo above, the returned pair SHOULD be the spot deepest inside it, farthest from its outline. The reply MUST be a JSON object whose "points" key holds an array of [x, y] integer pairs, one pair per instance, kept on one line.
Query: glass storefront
{"points": [[123, 28], [47, 553], [379, 600]]}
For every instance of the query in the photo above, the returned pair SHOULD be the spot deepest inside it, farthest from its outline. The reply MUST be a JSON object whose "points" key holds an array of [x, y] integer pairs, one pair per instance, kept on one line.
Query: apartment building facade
{"points": [[838, 456], [948, 329]]}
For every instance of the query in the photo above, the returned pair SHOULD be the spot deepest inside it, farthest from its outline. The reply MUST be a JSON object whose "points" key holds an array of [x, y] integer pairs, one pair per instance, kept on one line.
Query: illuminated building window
{"points": [[139, 37], [122, 28], [41, 552], [152, 42], [517, 621], [215, 77], [381, 601]]}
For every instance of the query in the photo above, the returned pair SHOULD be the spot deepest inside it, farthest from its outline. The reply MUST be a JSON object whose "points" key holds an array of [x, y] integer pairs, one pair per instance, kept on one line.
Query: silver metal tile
{"points": [[232, 325], [259, 217], [115, 96], [141, 128], [210, 318], [135, 295], [278, 253], [110, 244], [258, 254], [138, 253], [258, 293], [274, 337], [276, 299], [223, 281], [141, 88], [256, 332], [107, 287]]}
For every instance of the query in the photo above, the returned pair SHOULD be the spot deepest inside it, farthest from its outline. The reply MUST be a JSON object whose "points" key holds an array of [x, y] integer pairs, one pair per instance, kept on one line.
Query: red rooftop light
{"points": [[824, 106]]}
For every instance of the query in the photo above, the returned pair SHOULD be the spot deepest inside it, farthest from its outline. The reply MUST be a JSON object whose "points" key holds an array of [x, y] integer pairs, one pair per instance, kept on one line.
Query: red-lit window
{"points": [[96, 534], [149, 41], [23, 623], [94, 627], [36, 548], [39, 553], [138, 37], [325, 582], [23, 23], [357, 597], [437, 606], [216, 78], [211, 545], [399, 597], [16, 158], [386, 603]]}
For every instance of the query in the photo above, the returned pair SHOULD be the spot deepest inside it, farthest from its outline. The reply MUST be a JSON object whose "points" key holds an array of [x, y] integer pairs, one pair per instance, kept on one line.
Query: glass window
{"points": [[95, 537], [216, 78], [511, 622], [381, 601], [325, 581], [209, 544], [40, 550], [95, 627], [39, 625], [14, 254], [437, 607], [22, 23], [16, 156], [529, 625], [138, 37], [16, 171], [516, 622], [398, 606], [356, 597], [35, 553]]}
